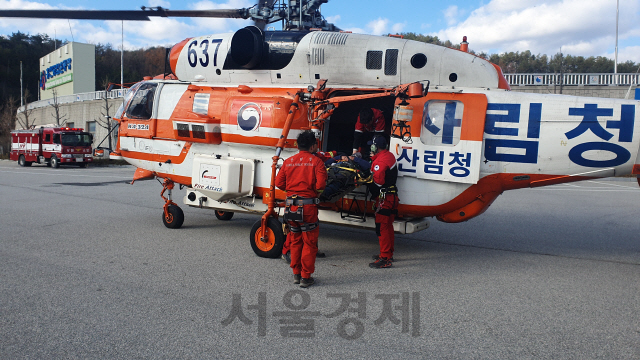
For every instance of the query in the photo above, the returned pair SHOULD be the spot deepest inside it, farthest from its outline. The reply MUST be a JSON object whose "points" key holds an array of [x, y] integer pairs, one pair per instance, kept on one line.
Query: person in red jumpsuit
{"points": [[369, 124], [303, 176], [383, 189], [286, 248]]}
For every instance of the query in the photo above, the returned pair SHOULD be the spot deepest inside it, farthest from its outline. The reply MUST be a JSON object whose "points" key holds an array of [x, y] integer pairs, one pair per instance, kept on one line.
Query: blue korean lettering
{"points": [[530, 156], [622, 154], [59, 68], [459, 159], [535, 116], [625, 124], [450, 122], [431, 163], [590, 114], [428, 124], [512, 116], [413, 160]]}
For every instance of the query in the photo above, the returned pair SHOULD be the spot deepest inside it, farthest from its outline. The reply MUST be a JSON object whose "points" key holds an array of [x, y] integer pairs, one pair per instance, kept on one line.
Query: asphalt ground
{"points": [[87, 270]]}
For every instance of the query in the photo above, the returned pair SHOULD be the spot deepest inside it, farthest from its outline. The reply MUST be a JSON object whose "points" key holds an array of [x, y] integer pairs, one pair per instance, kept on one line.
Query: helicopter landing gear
{"points": [[224, 215], [172, 216], [270, 244]]}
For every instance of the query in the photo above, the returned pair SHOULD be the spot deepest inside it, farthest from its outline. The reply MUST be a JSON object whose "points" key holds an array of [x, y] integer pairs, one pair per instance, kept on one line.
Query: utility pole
{"points": [[21, 91], [615, 65], [122, 63]]}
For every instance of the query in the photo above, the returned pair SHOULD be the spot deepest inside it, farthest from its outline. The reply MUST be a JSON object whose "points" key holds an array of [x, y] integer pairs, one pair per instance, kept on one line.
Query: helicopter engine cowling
{"points": [[208, 57]]}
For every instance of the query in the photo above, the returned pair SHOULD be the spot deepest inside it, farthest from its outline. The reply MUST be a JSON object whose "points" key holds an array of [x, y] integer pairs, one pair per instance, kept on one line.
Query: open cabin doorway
{"points": [[338, 131]]}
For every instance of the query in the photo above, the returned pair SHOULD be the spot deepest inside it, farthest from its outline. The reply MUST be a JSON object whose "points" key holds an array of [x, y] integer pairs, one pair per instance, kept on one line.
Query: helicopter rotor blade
{"points": [[135, 15]]}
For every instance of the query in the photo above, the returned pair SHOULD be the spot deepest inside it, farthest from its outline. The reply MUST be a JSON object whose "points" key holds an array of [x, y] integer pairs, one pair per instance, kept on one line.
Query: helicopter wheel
{"points": [[175, 217], [271, 246], [223, 215]]}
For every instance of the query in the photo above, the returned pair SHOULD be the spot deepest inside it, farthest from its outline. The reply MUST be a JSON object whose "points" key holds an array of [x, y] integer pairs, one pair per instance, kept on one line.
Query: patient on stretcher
{"points": [[344, 173]]}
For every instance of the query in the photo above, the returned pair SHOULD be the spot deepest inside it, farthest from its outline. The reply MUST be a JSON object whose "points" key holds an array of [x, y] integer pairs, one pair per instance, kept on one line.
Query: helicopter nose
{"points": [[174, 54]]}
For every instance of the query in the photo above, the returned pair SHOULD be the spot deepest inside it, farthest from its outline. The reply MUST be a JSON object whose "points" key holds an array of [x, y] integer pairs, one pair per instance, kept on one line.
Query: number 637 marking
{"points": [[192, 55]]}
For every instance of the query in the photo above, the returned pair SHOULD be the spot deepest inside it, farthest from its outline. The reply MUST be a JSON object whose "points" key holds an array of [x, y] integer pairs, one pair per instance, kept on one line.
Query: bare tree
{"points": [[60, 119], [25, 120], [7, 122], [105, 120]]}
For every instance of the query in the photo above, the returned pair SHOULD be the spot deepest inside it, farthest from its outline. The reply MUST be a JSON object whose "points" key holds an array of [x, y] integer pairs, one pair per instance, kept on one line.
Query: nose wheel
{"points": [[268, 244], [172, 216]]}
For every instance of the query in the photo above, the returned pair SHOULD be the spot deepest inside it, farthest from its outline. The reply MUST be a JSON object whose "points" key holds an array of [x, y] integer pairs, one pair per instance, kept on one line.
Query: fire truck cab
{"points": [[53, 146]]}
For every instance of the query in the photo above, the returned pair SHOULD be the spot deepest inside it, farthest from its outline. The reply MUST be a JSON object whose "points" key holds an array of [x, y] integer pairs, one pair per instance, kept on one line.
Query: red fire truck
{"points": [[54, 146]]}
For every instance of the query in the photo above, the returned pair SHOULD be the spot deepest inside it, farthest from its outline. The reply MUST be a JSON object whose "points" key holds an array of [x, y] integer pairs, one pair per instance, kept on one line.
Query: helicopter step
{"points": [[251, 205]]}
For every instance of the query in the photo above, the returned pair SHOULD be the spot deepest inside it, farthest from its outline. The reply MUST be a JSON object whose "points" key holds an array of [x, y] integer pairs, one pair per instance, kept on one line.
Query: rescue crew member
{"points": [[325, 156], [383, 189], [370, 123], [303, 176]]}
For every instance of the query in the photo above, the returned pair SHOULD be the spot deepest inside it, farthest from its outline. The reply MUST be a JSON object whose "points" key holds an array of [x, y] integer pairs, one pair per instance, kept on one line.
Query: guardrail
{"points": [[572, 79], [68, 99]]}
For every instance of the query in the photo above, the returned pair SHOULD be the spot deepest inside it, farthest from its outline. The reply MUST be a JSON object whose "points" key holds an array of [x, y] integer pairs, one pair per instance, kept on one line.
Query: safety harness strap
{"points": [[304, 227]]}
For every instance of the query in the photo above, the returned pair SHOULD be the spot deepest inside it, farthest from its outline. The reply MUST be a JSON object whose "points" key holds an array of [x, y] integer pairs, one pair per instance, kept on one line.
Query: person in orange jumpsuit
{"points": [[303, 176], [385, 174]]}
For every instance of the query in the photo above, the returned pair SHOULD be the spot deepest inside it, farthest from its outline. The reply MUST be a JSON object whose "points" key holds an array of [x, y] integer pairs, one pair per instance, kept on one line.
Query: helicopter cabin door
{"points": [[439, 137]]}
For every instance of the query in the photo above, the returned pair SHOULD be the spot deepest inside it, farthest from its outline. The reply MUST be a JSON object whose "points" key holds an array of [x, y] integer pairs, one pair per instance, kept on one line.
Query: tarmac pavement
{"points": [[87, 270]]}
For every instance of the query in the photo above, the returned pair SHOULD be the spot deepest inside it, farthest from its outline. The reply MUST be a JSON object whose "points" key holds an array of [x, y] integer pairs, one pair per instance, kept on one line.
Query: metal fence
{"points": [[573, 79], [68, 99]]}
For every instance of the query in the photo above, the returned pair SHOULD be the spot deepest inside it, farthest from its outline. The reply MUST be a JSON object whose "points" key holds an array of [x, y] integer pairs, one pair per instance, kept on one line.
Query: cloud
{"points": [[580, 27], [398, 28], [356, 30], [378, 26], [23, 5], [451, 14], [333, 19], [628, 53], [164, 4]]}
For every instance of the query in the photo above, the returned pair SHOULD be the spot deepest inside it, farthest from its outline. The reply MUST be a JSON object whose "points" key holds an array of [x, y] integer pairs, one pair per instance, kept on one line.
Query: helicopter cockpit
{"points": [[141, 104]]}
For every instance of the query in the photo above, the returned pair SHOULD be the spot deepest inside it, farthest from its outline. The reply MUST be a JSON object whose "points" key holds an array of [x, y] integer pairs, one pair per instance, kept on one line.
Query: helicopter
{"points": [[234, 103]]}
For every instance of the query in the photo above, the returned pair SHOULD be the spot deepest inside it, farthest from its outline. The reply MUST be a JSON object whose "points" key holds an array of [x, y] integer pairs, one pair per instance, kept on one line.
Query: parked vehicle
{"points": [[54, 146]]}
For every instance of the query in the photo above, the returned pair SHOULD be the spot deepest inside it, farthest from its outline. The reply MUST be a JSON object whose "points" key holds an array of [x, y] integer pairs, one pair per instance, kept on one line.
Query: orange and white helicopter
{"points": [[240, 100]]}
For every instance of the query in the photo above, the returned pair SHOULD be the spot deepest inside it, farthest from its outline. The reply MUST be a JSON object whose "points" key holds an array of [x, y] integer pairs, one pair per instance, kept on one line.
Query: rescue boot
{"points": [[286, 257], [296, 278], [376, 257], [382, 262], [305, 283]]}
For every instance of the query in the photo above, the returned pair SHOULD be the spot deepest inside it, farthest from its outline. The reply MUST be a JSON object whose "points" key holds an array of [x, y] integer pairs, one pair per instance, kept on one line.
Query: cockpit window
{"points": [[127, 98], [441, 122], [141, 105]]}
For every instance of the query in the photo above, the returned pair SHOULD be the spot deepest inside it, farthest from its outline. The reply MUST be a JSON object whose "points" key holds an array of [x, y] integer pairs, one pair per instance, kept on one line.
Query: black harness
{"points": [[297, 216]]}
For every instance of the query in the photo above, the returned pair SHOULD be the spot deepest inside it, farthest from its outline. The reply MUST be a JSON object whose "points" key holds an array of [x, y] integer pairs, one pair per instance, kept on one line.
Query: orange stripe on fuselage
{"points": [[158, 157], [473, 201]]}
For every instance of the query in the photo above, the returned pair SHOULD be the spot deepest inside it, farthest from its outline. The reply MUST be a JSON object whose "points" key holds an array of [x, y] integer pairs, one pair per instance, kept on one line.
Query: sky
{"points": [[575, 27]]}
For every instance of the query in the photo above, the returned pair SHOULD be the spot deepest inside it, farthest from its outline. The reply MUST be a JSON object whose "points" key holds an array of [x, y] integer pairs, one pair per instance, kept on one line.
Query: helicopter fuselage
{"points": [[457, 147]]}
